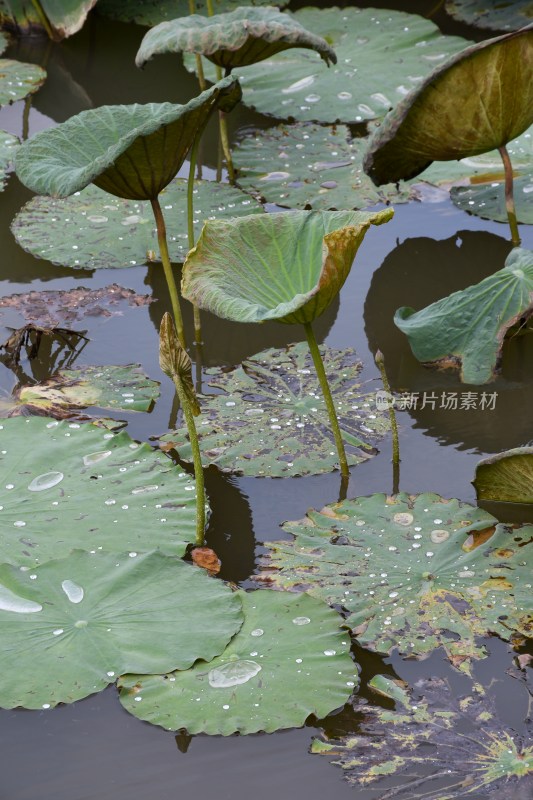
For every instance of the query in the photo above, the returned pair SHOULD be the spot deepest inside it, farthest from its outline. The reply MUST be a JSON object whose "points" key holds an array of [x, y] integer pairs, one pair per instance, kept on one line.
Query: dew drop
{"points": [[9, 601], [74, 592], [233, 673], [330, 652], [402, 518], [344, 95], [301, 620], [439, 536], [94, 458], [45, 481], [303, 83], [257, 632]]}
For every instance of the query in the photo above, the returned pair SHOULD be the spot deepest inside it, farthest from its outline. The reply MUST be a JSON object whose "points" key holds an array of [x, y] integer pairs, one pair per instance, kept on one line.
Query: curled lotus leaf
{"points": [[18, 80], [270, 419], [152, 12], [456, 746], [92, 230], [487, 200], [463, 108], [467, 329], [382, 55], [62, 17], [494, 15], [235, 39], [506, 477], [288, 661], [285, 267], [407, 573], [175, 362], [8, 146], [78, 485], [129, 151], [71, 626], [310, 166]]}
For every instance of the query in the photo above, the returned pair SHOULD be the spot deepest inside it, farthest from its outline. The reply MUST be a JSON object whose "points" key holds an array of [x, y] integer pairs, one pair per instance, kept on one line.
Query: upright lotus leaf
{"points": [[506, 477], [129, 151], [407, 573], [487, 200], [77, 485], [467, 329], [288, 661], [18, 80], [59, 18], [8, 146], [494, 15], [92, 230], [286, 267], [152, 12], [382, 55], [235, 39], [456, 747], [479, 100], [70, 390], [310, 166], [72, 625]]}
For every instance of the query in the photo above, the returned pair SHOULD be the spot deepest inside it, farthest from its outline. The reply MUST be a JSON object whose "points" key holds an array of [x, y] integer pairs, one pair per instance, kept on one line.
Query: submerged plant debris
{"points": [[271, 419], [506, 477]]}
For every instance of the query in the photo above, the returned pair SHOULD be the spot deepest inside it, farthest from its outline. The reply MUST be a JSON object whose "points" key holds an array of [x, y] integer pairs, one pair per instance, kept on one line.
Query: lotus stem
{"points": [[328, 399], [44, 19], [509, 195], [199, 64], [190, 227], [197, 462], [222, 124], [169, 275], [380, 361]]}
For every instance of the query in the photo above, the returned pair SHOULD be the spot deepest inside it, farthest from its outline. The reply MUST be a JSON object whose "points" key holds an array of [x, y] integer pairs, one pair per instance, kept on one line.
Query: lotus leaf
{"points": [[488, 201], [496, 15], [4, 42], [176, 363], [271, 421], [70, 626], [62, 17], [288, 661], [382, 55], [506, 477], [236, 39], [286, 267], [71, 390], [456, 746], [93, 230], [152, 12], [310, 166], [467, 329], [78, 485], [17, 80], [8, 145], [465, 107], [130, 151], [404, 571]]}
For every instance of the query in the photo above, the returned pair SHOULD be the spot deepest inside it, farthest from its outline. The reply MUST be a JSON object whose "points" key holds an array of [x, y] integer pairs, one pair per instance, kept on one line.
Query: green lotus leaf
{"points": [[78, 485], [382, 55], [8, 146], [92, 230], [268, 417], [130, 151], [286, 267], [70, 390], [175, 362], [310, 166], [289, 660], [4, 41], [404, 571], [235, 39], [465, 107], [18, 80], [488, 200], [63, 17], [496, 15], [467, 329], [152, 12], [460, 739], [506, 477], [70, 626]]}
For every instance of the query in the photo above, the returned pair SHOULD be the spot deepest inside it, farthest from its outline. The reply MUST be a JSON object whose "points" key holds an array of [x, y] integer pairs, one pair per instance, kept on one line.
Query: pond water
{"points": [[94, 749]]}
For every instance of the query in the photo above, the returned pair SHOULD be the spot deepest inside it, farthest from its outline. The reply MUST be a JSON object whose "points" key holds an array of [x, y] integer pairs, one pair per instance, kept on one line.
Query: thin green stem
{"points": [[44, 19], [199, 63], [190, 226], [509, 196], [328, 399], [169, 275], [222, 124], [197, 462], [380, 361]]}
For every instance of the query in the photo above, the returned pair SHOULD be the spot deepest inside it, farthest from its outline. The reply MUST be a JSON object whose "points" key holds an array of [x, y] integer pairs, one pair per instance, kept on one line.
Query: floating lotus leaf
{"points": [[404, 571], [77, 485], [71, 390], [465, 107], [63, 17], [506, 477], [70, 626], [8, 145], [93, 230], [467, 329], [130, 151], [288, 661], [152, 12], [496, 15], [310, 166], [271, 419], [382, 55], [488, 200], [456, 746], [287, 267], [17, 80], [236, 39]]}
